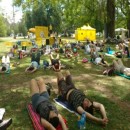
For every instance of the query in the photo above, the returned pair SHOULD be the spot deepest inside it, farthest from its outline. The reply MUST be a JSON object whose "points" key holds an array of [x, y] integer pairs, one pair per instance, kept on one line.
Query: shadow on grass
{"points": [[117, 120]]}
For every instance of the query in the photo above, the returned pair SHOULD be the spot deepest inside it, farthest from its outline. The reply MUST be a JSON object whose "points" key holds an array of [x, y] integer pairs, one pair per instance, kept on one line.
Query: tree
{"points": [[111, 18], [3, 29], [41, 13], [124, 7]]}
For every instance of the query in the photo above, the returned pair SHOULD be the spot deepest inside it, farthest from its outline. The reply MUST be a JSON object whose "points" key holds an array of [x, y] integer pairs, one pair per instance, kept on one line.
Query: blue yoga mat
{"points": [[65, 105]]}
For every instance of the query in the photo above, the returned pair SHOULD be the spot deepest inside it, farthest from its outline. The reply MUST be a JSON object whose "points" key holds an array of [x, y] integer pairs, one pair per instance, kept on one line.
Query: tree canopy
{"points": [[67, 15]]}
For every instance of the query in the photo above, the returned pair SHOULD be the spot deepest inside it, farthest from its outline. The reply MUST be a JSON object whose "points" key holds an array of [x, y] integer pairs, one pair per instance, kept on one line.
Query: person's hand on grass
{"points": [[104, 121]]}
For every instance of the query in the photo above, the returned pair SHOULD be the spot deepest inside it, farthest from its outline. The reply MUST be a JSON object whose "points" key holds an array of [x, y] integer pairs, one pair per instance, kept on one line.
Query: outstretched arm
{"points": [[100, 107], [47, 125], [62, 122], [91, 117]]}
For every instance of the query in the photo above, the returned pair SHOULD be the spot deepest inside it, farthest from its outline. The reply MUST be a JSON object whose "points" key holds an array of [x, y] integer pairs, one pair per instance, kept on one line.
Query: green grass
{"points": [[113, 92]]}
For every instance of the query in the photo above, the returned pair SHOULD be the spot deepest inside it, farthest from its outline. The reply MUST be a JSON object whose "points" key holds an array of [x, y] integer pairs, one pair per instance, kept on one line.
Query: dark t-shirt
{"points": [[76, 98], [44, 109]]}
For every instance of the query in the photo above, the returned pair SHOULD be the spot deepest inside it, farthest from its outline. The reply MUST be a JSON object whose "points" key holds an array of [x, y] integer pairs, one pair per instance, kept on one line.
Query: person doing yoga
{"points": [[119, 67], [78, 99], [50, 117]]}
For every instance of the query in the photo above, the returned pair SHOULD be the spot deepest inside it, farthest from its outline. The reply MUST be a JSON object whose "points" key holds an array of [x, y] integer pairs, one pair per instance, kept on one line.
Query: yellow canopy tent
{"points": [[85, 32], [33, 30]]}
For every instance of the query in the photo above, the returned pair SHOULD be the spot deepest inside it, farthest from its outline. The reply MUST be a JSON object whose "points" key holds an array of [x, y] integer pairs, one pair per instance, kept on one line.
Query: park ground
{"points": [[112, 91]]}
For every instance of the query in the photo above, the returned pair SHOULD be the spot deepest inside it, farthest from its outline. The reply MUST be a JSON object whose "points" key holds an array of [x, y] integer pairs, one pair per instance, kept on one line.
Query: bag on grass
{"points": [[84, 60]]}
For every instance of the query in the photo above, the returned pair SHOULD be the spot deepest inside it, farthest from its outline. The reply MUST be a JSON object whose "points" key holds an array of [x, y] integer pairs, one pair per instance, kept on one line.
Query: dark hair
{"points": [[31, 68], [89, 109], [54, 121], [3, 68]]}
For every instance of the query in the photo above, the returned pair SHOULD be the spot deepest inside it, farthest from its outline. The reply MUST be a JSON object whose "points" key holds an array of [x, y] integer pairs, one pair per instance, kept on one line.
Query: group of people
{"points": [[49, 115], [55, 63]]}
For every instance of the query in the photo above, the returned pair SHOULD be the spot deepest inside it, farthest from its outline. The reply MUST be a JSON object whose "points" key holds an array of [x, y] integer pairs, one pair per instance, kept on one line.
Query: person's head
{"points": [[31, 68], [86, 106], [3, 68], [54, 121], [56, 65]]}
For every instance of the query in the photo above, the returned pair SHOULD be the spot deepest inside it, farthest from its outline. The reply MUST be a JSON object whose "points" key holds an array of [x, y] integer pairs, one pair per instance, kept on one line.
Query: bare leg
{"points": [[34, 87], [51, 56], [41, 85], [57, 57], [116, 66], [59, 77], [67, 73], [120, 63], [69, 79]]}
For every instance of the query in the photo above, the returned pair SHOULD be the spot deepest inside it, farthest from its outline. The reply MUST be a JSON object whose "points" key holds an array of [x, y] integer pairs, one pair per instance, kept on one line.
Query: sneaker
{"points": [[5, 124], [2, 112]]}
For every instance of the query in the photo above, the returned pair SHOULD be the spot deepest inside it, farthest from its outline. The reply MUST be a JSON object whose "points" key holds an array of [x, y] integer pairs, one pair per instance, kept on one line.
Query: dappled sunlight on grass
{"points": [[88, 77]]}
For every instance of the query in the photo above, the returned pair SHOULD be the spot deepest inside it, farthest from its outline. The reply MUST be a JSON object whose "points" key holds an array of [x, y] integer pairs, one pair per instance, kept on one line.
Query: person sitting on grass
{"points": [[55, 62], [32, 68], [100, 61], [119, 67], [78, 99], [49, 115], [93, 54]]}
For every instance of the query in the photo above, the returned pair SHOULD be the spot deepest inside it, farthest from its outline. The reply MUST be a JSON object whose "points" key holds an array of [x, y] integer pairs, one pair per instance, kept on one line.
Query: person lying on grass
{"points": [[32, 68], [100, 61], [55, 62], [5, 64], [5, 68], [78, 99], [50, 117], [119, 67]]}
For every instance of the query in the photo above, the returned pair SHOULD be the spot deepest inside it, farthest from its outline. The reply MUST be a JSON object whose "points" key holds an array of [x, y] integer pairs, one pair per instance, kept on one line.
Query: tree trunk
{"points": [[111, 18], [128, 26]]}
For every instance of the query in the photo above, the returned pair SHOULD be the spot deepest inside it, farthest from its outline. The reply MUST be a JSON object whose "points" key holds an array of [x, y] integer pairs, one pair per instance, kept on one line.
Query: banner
{"points": [[41, 32], [9, 43]]}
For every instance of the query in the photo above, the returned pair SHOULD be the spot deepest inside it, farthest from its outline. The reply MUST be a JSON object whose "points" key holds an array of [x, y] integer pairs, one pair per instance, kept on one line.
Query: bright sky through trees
{"points": [[7, 10]]}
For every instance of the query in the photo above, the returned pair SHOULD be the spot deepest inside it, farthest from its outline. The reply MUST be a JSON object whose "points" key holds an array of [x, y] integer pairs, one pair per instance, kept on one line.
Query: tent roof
{"points": [[87, 27], [32, 30], [120, 29]]}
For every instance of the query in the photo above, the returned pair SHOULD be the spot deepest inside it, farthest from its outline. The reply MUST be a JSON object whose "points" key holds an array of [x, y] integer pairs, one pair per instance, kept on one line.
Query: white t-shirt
{"points": [[34, 64], [98, 60], [87, 48]]}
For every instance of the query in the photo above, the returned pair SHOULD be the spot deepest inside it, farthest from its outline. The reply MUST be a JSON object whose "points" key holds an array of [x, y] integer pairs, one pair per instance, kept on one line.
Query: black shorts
{"points": [[65, 85]]}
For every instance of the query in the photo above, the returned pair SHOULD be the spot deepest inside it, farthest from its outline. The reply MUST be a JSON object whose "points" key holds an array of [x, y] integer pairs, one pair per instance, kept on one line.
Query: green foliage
{"points": [[3, 29], [68, 15]]}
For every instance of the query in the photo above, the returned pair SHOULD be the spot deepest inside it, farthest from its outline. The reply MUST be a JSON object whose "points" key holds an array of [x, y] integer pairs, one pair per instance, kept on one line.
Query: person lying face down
{"points": [[49, 115], [32, 68], [4, 68], [78, 99], [100, 61], [119, 67]]}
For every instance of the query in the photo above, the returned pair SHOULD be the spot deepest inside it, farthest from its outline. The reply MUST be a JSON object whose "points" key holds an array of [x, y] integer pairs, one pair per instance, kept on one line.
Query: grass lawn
{"points": [[113, 92]]}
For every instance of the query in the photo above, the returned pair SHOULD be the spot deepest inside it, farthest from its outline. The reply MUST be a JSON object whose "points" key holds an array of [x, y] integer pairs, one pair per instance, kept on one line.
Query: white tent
{"points": [[121, 31], [87, 27]]}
